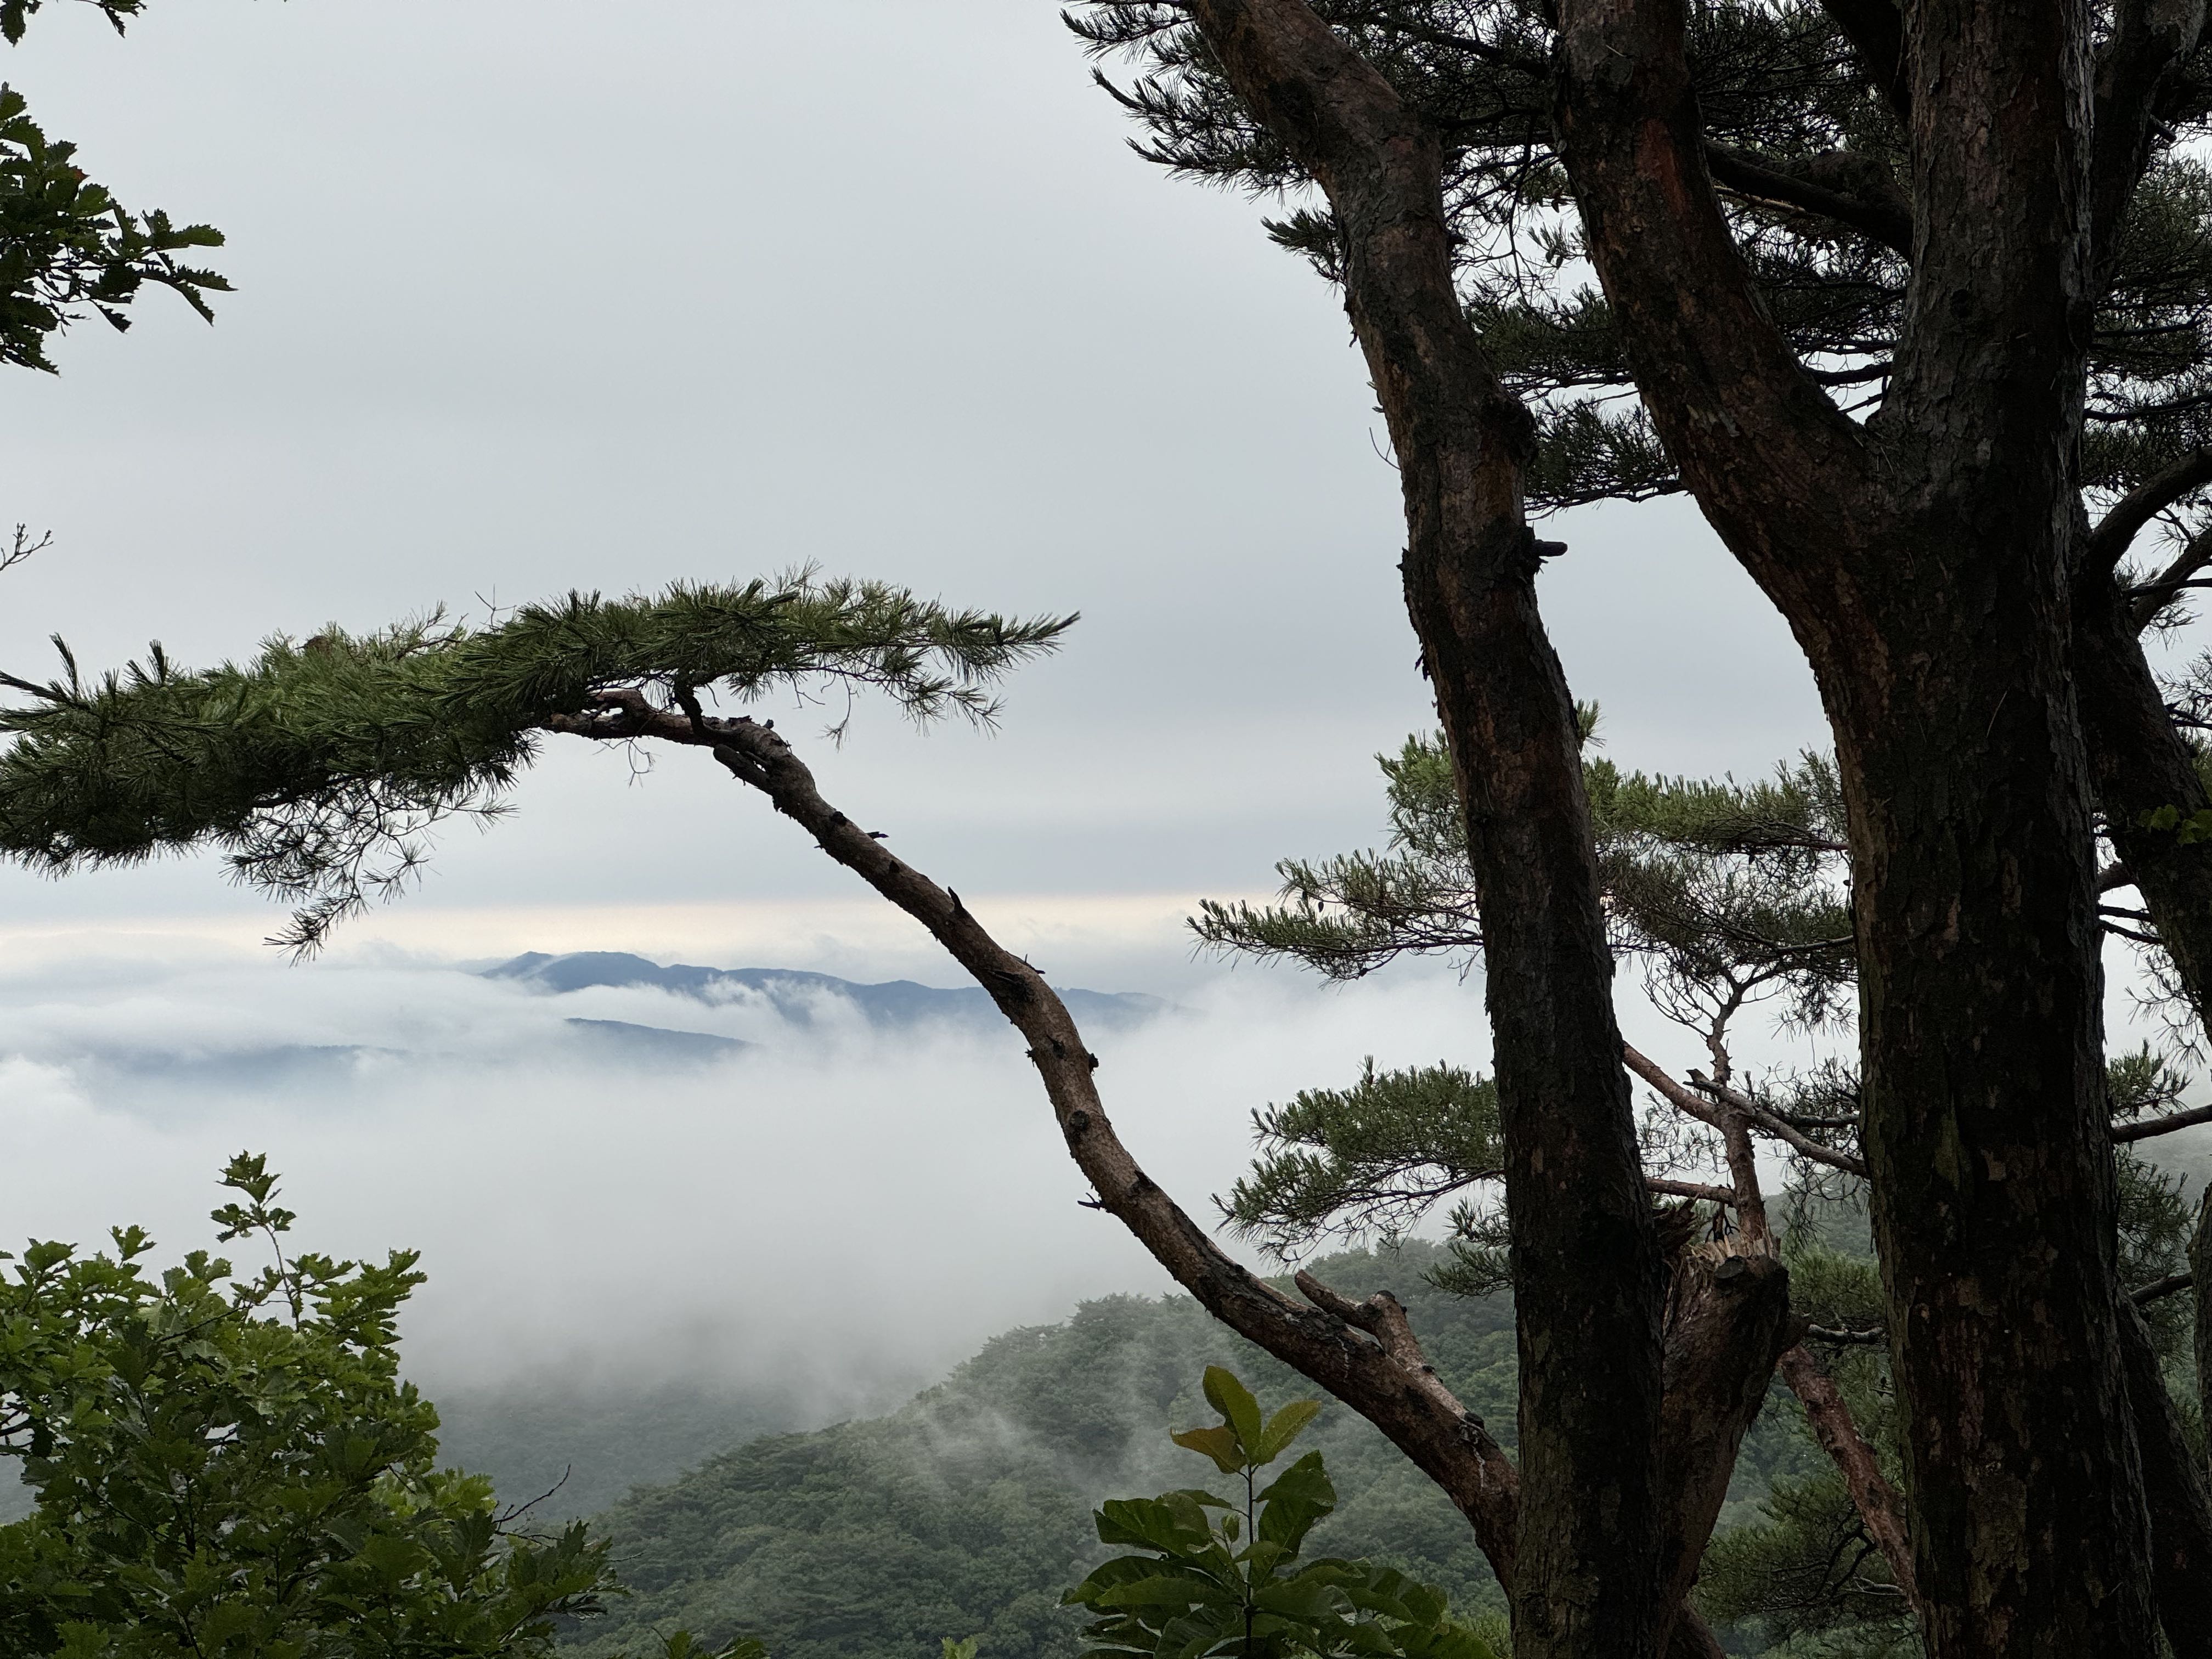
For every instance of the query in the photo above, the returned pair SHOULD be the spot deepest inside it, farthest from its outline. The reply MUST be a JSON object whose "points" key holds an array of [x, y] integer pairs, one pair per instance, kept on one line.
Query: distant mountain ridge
{"points": [[565, 1016], [796, 994], [620, 1037]]}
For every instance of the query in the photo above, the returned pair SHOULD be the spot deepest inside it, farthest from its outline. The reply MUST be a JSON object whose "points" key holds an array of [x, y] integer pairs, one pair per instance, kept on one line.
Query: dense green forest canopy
{"points": [[968, 1508]]}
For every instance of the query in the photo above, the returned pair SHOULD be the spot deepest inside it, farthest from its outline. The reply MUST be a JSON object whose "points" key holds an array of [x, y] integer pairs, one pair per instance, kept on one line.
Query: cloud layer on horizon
{"points": [[840, 1203]]}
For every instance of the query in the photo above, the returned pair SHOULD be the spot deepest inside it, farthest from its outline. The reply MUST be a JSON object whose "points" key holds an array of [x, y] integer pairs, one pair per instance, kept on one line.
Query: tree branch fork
{"points": [[1729, 1320]]}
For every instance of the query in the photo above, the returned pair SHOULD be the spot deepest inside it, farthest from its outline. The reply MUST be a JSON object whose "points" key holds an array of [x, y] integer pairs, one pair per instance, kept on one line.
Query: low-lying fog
{"points": [[842, 1199], [657, 1221]]}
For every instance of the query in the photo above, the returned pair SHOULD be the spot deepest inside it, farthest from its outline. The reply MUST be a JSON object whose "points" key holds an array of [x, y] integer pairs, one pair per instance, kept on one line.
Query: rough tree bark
{"points": [[1732, 1323], [1880, 1506], [2200, 1265], [2180, 1506], [1586, 1275], [1922, 561]]}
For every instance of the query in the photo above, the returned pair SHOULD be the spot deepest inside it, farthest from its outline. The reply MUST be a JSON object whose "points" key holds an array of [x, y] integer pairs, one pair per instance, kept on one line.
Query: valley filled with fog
{"points": [[834, 1188]]}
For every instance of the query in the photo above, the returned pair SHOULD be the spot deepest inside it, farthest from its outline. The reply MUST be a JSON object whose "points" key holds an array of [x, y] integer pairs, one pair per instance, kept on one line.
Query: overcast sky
{"points": [[534, 296], [547, 294]]}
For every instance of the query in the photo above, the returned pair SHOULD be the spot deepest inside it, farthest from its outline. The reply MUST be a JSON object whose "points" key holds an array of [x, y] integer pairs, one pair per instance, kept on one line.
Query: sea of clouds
{"points": [[843, 1205], [840, 1197]]}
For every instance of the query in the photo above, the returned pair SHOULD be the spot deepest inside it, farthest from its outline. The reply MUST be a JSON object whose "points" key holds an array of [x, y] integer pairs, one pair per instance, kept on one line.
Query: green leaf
{"points": [[1285, 1426], [1219, 1443], [1150, 1522], [1297, 1499], [1236, 1403], [1164, 1590]]}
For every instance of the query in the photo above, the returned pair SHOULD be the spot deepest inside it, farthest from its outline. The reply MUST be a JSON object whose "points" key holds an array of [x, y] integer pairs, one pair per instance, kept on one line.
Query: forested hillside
{"points": [[967, 1512]]}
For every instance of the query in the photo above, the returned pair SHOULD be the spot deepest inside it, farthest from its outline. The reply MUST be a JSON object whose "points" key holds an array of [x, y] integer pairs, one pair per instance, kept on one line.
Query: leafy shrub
{"points": [[1221, 1576]]}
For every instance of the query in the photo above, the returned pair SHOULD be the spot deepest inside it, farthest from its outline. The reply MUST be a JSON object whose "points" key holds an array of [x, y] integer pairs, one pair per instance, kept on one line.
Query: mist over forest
{"points": [[607, 1201], [679, 1279], [790, 868]]}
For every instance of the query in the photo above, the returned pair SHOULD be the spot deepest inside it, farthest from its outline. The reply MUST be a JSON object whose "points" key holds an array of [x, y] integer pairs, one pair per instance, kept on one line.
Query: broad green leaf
{"points": [[1285, 1426], [1235, 1402], [1166, 1589], [1151, 1522], [1219, 1443]]}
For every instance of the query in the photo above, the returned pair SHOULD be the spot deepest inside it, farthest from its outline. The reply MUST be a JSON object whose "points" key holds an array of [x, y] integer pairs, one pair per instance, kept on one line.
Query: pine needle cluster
{"points": [[318, 766], [1726, 889], [1812, 164], [1368, 1159]]}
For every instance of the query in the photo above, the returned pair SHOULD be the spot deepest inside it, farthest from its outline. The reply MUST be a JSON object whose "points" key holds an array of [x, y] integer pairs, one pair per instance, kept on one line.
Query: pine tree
{"points": [[1910, 298], [1911, 302], [1727, 895]]}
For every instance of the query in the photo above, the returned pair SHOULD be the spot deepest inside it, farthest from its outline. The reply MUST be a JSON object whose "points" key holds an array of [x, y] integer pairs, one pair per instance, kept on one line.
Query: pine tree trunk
{"points": [[1586, 1268], [1983, 1125], [2200, 1267], [2180, 1504], [1921, 560], [1730, 1323]]}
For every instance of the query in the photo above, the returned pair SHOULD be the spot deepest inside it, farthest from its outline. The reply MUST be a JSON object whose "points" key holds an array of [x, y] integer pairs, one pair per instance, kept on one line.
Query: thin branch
{"points": [[1799, 1121], [23, 547], [2116, 532], [1881, 1509], [1535, 67], [2145, 1128], [1846, 1337], [2126, 413], [511, 1516], [2153, 596], [2148, 40], [1745, 174], [1697, 1189], [1775, 1126], [2159, 1288], [1674, 1093]]}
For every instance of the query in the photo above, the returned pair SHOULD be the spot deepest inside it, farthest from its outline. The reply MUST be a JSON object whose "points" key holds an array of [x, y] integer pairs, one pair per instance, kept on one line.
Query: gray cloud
{"points": [[838, 1193], [534, 296]]}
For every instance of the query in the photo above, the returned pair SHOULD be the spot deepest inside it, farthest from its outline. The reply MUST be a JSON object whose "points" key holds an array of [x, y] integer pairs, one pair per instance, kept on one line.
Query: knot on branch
{"points": [[1383, 1316], [1507, 423], [746, 769], [1014, 988]]}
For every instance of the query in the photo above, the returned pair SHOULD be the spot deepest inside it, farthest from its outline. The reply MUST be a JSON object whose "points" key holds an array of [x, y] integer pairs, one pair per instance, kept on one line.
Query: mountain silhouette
{"points": [[797, 996]]}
